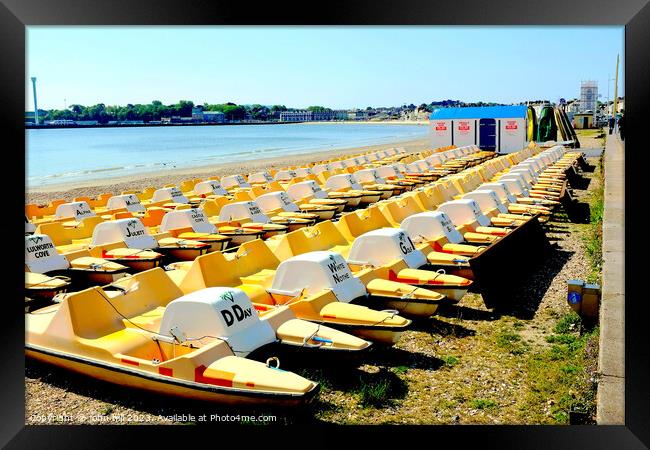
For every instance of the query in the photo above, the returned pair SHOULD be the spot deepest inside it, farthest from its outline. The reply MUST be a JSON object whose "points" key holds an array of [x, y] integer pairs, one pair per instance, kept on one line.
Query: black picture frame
{"points": [[15, 15]]}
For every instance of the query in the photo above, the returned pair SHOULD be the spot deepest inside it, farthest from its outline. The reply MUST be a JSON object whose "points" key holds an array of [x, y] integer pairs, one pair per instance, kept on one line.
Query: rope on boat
{"points": [[168, 336]]}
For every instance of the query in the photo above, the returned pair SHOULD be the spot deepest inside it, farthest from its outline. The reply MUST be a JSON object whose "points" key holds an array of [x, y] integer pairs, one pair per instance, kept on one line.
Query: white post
{"points": [[35, 102]]}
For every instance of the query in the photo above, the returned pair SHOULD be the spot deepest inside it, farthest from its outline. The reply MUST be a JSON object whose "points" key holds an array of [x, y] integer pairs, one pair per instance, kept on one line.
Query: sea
{"points": [[55, 156]]}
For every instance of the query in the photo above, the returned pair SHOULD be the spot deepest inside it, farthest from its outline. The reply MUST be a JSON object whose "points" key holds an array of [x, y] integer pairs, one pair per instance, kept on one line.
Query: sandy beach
{"points": [[116, 185]]}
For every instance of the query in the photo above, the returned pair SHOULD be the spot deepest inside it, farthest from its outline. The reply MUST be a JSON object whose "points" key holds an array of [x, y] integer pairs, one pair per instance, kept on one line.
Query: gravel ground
{"points": [[446, 370]]}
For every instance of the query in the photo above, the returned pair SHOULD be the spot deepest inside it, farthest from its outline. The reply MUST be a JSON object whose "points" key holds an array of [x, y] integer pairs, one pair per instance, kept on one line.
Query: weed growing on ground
{"points": [[561, 378], [570, 322], [449, 360], [374, 393], [377, 389], [593, 236], [480, 403], [511, 342]]}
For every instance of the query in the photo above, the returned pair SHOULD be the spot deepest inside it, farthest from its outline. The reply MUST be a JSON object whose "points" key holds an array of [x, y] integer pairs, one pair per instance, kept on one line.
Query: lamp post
{"points": [[608, 82], [35, 102]]}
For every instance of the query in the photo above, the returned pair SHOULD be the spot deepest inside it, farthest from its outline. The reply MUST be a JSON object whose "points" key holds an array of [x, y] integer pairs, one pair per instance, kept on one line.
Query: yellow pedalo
{"points": [[249, 216], [321, 271], [253, 269], [145, 334], [308, 193], [274, 200], [192, 224], [343, 184], [47, 272], [379, 256], [128, 242], [395, 257]]}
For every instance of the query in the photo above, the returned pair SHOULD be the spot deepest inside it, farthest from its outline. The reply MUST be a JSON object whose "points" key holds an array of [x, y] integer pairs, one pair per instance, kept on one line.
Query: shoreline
{"points": [[116, 185], [208, 124]]}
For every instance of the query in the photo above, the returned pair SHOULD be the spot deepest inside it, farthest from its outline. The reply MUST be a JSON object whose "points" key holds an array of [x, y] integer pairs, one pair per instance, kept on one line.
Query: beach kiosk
{"points": [[502, 129]]}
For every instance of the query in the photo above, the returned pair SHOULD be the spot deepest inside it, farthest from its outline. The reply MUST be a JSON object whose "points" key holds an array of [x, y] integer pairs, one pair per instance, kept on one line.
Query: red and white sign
{"points": [[463, 127], [441, 126], [511, 125]]}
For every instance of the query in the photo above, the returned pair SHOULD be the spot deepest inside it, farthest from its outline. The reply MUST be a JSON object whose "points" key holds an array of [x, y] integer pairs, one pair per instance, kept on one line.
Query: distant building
{"points": [[201, 116], [61, 122], [173, 119], [583, 120], [86, 122], [588, 96], [502, 129], [29, 118], [214, 116], [358, 115], [296, 116], [310, 116], [573, 106], [197, 113], [620, 106], [339, 114]]}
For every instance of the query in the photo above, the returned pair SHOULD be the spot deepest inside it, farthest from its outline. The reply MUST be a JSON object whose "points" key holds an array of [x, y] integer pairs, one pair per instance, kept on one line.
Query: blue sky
{"points": [[338, 67]]}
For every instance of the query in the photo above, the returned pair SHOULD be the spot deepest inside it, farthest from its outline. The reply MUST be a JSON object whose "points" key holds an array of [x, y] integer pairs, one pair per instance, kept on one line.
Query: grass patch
{"points": [[590, 132], [561, 378], [107, 410], [593, 235], [400, 369], [561, 339], [569, 322], [480, 403], [378, 389], [374, 393], [511, 342], [449, 360]]}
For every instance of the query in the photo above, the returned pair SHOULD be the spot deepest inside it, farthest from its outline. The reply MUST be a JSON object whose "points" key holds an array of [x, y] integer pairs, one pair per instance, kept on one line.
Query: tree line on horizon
{"points": [[156, 110]]}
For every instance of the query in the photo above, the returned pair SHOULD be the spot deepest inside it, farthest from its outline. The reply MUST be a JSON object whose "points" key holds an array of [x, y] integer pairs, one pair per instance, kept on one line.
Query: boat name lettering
{"points": [[40, 250], [237, 313], [285, 199], [254, 209], [131, 200], [83, 212], [405, 244], [133, 225], [446, 222], [340, 277], [197, 215], [336, 267], [134, 233]]}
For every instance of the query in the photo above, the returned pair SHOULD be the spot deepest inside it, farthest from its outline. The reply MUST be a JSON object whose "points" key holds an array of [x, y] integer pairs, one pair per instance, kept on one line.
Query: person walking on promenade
{"points": [[621, 127], [610, 123]]}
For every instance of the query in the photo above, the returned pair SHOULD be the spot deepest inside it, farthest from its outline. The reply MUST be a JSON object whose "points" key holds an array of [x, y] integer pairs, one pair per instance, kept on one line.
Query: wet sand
{"points": [[116, 185]]}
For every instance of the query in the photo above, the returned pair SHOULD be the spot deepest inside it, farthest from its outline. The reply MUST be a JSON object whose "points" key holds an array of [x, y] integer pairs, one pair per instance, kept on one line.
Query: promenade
{"points": [[611, 360]]}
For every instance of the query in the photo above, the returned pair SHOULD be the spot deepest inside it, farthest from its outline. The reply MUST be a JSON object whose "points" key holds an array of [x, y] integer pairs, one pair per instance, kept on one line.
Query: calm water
{"points": [[65, 155]]}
